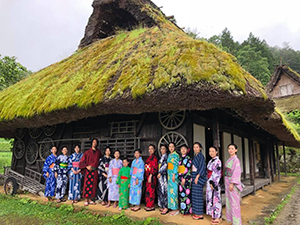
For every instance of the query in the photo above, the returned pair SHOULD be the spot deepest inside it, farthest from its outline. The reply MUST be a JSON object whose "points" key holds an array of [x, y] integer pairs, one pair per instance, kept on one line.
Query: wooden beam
{"points": [[284, 158], [140, 124], [252, 166], [278, 162], [215, 130], [270, 155], [244, 159]]}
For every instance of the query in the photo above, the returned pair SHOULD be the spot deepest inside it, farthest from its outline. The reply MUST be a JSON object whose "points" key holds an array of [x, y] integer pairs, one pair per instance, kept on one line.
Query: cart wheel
{"points": [[11, 186]]}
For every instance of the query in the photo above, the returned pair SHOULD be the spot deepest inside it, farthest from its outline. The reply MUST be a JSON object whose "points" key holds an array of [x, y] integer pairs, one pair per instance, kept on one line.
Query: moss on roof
{"points": [[288, 104], [129, 63]]}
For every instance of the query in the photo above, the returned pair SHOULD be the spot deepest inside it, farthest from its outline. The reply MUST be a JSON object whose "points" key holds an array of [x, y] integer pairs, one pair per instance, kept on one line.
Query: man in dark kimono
{"points": [[88, 165]]}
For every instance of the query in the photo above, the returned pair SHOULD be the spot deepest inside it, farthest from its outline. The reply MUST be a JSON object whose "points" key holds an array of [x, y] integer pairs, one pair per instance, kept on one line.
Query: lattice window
{"points": [[123, 127]]}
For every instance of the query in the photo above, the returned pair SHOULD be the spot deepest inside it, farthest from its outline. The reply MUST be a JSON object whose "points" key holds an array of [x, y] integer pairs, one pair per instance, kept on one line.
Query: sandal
{"points": [[164, 212], [92, 203], [86, 204], [107, 206], [103, 203], [174, 213], [136, 209], [150, 209], [216, 221], [58, 201], [198, 217], [115, 205]]}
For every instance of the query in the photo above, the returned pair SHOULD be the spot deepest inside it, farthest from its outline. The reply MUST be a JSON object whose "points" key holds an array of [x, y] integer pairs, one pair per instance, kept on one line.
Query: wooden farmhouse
{"points": [[284, 87], [136, 79]]}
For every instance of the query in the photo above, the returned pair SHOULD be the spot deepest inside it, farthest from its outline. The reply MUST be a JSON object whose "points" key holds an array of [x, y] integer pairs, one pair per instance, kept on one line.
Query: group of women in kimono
{"points": [[179, 181]]}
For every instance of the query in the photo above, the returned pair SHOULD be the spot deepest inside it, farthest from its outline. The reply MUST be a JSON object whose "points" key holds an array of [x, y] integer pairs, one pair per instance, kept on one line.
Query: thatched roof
{"points": [[279, 71], [148, 67], [288, 104]]}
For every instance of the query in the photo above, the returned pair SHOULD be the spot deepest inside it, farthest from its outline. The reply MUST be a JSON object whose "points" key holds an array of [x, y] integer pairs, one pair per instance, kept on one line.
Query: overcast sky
{"points": [[41, 32]]}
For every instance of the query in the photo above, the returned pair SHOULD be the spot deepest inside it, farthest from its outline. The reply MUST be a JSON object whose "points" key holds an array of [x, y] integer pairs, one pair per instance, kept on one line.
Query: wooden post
{"points": [[244, 158], [252, 166], [270, 144], [215, 130], [271, 160], [278, 161], [284, 158]]}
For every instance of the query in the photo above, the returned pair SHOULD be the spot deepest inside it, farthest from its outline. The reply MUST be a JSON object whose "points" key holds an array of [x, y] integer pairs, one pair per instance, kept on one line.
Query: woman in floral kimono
{"points": [[213, 188], [173, 162], [198, 181], [124, 184], [75, 175], [137, 177], [185, 182], [162, 190], [113, 189], [151, 167], [102, 191], [49, 175], [233, 186], [61, 174]]}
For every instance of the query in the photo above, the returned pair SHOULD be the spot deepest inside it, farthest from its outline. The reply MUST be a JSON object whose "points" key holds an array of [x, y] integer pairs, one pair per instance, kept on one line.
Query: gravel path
{"points": [[290, 214]]}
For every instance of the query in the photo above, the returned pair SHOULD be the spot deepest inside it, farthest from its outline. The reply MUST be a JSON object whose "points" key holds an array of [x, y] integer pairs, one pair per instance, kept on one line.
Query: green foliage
{"points": [[25, 209], [5, 160], [252, 61], [294, 116], [11, 71], [6, 145]]}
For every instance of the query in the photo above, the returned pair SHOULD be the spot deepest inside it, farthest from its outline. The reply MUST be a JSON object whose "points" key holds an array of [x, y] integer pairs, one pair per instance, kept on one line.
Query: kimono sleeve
{"points": [[100, 167], [216, 174], [56, 166], [141, 170], [118, 181], [236, 172], [154, 166], [110, 169], [82, 162], [46, 166], [163, 168], [131, 169], [202, 169], [188, 165]]}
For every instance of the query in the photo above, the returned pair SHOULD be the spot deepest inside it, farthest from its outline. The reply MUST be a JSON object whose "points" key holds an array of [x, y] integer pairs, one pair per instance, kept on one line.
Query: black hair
{"points": [[172, 143], [198, 143], [64, 147], [184, 145], [139, 150], [234, 145], [53, 146], [152, 146], [93, 140], [117, 151], [107, 147], [125, 158], [214, 148], [77, 145]]}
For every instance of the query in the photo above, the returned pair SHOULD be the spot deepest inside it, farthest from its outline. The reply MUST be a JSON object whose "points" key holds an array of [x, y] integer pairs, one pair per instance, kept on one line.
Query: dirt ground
{"points": [[253, 207]]}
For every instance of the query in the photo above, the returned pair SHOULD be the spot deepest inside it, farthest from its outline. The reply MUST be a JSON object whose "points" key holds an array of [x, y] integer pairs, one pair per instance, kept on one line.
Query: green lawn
{"points": [[5, 160], [15, 210]]}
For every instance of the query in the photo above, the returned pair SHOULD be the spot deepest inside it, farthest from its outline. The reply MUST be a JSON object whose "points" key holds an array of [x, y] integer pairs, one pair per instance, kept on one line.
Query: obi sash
{"points": [[209, 173], [228, 172], [115, 171], [135, 169], [194, 168], [124, 178], [170, 166], [75, 164], [181, 169], [106, 167], [63, 165], [51, 166]]}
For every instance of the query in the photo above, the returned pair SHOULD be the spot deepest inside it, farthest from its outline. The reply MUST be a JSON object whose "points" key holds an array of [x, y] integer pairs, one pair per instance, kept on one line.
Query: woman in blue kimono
{"points": [[198, 181], [48, 173], [113, 189], [137, 177], [173, 163], [75, 175], [162, 190], [61, 174]]}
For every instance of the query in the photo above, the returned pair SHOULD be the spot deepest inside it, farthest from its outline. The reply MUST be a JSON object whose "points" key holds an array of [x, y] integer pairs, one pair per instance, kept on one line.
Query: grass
{"points": [[5, 145], [273, 216], [5, 160], [26, 211], [128, 64]]}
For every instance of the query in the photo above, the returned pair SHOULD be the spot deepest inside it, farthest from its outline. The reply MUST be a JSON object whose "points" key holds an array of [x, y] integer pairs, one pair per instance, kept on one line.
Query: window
{"points": [[286, 89]]}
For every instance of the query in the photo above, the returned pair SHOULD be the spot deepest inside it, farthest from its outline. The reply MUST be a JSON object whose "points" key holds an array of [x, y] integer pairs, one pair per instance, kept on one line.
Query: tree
{"points": [[253, 61], [11, 71]]}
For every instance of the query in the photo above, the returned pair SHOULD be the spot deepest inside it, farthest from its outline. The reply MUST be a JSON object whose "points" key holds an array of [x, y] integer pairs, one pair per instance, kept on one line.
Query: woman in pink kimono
{"points": [[233, 186]]}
